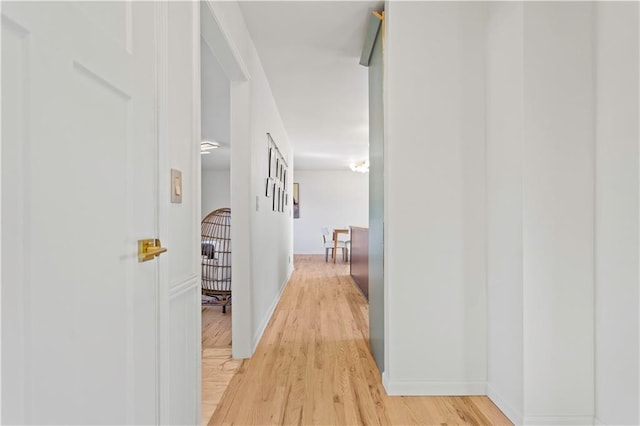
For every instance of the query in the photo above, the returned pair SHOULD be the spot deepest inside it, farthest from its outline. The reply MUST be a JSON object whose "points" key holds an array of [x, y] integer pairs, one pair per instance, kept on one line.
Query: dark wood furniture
{"points": [[360, 258]]}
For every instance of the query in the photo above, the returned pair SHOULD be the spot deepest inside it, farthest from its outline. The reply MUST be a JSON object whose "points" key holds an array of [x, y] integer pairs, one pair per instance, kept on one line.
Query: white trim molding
{"points": [[558, 420], [432, 388], [183, 285], [516, 416], [196, 114], [163, 349]]}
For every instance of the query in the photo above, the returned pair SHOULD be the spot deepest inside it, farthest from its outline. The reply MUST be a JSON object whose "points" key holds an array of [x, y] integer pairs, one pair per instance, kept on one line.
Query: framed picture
{"points": [[273, 196], [296, 201], [272, 162]]}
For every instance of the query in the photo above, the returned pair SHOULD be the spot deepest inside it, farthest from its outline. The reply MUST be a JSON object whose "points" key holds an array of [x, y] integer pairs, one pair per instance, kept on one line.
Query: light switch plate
{"points": [[176, 186]]}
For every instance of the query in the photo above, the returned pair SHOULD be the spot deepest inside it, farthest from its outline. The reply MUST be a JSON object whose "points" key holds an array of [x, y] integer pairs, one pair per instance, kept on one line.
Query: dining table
{"points": [[337, 232]]}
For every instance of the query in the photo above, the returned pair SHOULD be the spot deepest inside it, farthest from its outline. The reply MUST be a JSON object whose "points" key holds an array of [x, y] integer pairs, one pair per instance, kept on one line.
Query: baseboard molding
{"points": [[558, 420], [507, 409], [432, 388], [385, 382], [267, 317], [597, 422]]}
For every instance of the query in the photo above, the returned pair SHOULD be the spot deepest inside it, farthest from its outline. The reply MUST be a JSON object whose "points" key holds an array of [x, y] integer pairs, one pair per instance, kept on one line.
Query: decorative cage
{"points": [[216, 256]]}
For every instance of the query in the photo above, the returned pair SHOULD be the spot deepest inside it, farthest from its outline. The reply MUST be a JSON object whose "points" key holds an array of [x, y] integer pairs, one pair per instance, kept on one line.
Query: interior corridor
{"points": [[313, 365]]}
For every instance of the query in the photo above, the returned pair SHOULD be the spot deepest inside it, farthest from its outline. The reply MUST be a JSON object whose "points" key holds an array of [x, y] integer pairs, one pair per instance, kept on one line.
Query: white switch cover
{"points": [[176, 186]]}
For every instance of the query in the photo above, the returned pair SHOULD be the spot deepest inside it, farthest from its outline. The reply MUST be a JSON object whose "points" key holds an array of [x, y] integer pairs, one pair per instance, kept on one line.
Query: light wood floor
{"points": [[313, 365], [217, 366]]}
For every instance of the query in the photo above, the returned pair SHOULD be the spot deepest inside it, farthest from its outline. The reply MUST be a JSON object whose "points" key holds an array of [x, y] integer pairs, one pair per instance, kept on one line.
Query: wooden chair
{"points": [[327, 239]]}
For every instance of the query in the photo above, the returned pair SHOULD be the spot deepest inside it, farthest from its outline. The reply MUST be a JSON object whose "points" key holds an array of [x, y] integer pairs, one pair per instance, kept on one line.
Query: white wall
{"points": [[617, 357], [328, 198], [562, 195], [215, 98], [558, 199], [435, 239], [504, 101], [216, 190], [263, 239], [215, 109], [541, 175], [561, 198], [272, 239]]}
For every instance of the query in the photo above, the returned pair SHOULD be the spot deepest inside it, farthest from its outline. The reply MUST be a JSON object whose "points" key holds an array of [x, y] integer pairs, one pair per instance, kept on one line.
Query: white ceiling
{"points": [[310, 52]]}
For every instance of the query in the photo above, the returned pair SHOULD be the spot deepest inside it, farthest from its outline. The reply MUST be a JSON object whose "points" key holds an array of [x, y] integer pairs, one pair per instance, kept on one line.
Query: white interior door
{"points": [[79, 188]]}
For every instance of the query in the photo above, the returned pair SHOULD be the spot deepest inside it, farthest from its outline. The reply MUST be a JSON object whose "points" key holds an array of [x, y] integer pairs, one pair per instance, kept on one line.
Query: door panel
{"points": [[79, 173], [376, 202]]}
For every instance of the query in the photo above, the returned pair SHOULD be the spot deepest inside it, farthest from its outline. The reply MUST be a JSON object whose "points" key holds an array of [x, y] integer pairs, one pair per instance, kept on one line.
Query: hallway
{"points": [[313, 365]]}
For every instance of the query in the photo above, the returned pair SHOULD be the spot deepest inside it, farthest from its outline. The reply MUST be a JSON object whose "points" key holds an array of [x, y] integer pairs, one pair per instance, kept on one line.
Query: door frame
{"points": [[219, 40], [166, 292]]}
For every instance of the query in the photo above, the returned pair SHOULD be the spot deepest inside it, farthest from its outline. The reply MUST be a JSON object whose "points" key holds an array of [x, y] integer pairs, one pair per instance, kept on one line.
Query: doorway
{"points": [[226, 337], [215, 164]]}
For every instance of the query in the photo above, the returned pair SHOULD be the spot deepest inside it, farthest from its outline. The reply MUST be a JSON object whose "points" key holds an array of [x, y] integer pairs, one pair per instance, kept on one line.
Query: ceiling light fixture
{"points": [[360, 166], [206, 146]]}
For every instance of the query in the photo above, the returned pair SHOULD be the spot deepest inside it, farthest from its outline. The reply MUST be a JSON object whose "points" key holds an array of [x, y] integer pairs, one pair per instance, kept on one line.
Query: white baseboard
{"points": [[385, 382], [267, 317], [559, 420], [507, 408], [431, 388]]}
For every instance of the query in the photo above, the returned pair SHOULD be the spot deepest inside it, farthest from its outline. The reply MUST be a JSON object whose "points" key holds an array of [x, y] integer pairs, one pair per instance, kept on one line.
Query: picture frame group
{"points": [[276, 186]]}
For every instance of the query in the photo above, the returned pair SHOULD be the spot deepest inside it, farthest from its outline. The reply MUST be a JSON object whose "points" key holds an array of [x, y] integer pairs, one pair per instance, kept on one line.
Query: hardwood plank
{"points": [[218, 368], [314, 365], [216, 327]]}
